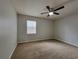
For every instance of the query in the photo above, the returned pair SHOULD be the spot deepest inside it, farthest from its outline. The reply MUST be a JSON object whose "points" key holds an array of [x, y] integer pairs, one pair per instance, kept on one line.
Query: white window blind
{"points": [[31, 27]]}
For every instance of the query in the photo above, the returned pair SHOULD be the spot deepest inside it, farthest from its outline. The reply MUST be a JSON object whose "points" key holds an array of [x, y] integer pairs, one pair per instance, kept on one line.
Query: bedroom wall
{"points": [[8, 29], [44, 29], [66, 29]]}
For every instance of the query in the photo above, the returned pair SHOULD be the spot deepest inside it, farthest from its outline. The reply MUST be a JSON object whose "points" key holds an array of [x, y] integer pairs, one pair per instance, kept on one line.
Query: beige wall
{"points": [[8, 29], [44, 29], [66, 29]]}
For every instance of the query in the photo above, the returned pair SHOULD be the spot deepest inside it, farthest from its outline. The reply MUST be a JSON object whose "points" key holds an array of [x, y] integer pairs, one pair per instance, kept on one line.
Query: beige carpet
{"points": [[49, 49]]}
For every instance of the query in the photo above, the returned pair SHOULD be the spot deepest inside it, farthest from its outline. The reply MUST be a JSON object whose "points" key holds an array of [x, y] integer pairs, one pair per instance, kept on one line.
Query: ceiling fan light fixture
{"points": [[51, 13]]}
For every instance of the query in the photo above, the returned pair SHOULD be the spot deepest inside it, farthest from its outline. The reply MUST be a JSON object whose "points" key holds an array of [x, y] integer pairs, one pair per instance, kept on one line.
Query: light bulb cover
{"points": [[51, 13]]}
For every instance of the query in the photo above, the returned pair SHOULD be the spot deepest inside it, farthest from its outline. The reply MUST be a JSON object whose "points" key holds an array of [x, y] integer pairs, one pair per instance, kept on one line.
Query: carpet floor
{"points": [[46, 49]]}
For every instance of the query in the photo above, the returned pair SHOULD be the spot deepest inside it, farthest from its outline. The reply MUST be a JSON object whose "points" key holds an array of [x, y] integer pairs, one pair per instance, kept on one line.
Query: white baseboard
{"points": [[65, 41], [32, 40], [12, 52], [69, 43], [53, 38]]}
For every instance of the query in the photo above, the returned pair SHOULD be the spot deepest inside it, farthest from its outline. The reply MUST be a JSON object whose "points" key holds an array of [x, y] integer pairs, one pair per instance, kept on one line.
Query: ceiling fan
{"points": [[52, 11]]}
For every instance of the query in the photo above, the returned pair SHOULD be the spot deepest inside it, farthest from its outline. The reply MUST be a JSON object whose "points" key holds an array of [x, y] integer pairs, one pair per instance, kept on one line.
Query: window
{"points": [[31, 27]]}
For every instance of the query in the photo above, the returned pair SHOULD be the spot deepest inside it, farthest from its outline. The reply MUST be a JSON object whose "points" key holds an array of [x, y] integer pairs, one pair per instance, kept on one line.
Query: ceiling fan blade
{"points": [[59, 8], [48, 8], [56, 13], [44, 12]]}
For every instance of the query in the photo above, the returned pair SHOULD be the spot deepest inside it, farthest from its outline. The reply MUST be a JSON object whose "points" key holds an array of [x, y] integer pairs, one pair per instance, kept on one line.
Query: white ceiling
{"points": [[35, 7]]}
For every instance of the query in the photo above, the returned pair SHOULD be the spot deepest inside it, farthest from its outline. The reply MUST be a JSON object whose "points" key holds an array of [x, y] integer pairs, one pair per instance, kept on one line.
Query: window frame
{"points": [[35, 28]]}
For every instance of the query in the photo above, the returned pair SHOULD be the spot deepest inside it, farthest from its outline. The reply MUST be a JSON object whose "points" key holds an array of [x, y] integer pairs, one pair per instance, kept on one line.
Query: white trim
{"points": [[12, 52], [65, 41], [69, 43], [53, 38], [32, 40]]}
